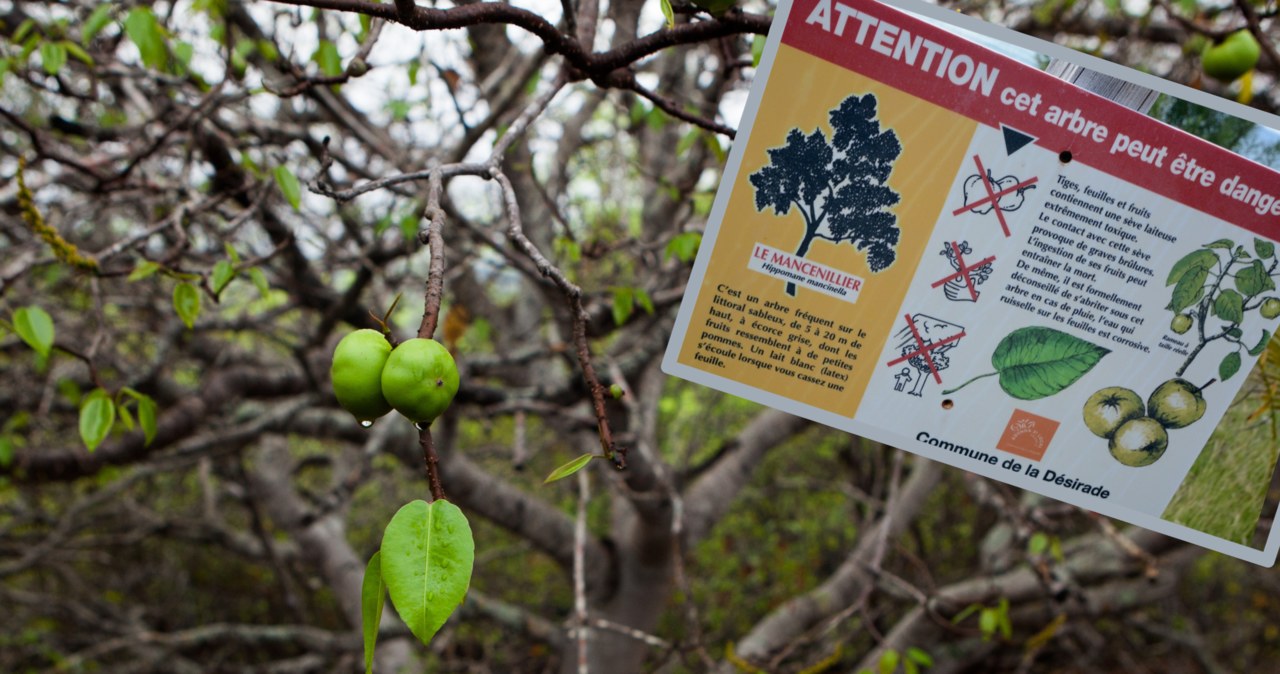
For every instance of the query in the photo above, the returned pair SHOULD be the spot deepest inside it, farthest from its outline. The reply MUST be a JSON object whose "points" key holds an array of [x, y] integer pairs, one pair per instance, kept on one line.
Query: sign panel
{"points": [[922, 241]]}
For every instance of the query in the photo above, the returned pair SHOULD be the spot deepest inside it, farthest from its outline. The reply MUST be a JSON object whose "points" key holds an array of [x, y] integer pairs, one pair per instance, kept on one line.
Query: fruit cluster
{"points": [[417, 379], [1137, 432]]}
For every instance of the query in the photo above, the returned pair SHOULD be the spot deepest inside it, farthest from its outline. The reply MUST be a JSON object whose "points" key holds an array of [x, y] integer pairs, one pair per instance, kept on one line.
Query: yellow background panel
{"points": [[801, 91]]}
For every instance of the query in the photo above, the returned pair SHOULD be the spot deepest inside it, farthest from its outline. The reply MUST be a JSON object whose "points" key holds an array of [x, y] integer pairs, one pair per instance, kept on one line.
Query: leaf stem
{"points": [[953, 390]]}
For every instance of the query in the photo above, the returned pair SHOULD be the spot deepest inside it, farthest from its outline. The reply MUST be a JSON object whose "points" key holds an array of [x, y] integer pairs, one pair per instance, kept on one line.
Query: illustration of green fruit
{"points": [[1228, 60], [1110, 407], [420, 379], [1270, 308], [1139, 442], [1181, 323], [1176, 403], [356, 372]]}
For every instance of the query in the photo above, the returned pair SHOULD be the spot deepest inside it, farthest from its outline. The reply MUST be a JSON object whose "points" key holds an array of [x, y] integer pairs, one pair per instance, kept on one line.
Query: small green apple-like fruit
{"points": [[615, 391], [420, 379], [1110, 407], [1181, 323], [1176, 403], [1139, 442], [1228, 60], [356, 373], [1270, 307]]}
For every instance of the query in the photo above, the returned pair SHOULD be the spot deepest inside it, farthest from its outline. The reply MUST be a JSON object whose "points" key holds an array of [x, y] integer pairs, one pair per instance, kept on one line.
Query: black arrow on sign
{"points": [[1014, 139]]}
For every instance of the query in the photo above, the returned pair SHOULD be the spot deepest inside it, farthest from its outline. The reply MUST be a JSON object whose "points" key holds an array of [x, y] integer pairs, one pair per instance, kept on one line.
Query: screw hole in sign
{"points": [[1065, 156], [948, 404]]}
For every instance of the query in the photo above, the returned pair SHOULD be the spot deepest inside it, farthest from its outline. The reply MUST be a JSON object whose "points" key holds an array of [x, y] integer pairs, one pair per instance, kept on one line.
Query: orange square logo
{"points": [[1027, 435]]}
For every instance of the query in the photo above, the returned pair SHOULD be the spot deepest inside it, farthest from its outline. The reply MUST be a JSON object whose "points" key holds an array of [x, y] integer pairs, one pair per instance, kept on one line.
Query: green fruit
{"points": [[1110, 407], [1139, 442], [1176, 403], [1181, 323], [357, 374], [420, 379], [1270, 308], [616, 392], [1231, 58]]}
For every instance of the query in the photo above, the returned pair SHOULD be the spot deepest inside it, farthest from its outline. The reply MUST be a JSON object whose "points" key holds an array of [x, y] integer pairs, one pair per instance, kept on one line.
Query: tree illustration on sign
{"points": [[839, 186]]}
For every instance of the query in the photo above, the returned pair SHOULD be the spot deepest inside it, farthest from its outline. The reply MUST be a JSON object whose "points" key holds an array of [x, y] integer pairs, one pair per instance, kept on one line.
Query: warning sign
{"points": [[923, 241]]}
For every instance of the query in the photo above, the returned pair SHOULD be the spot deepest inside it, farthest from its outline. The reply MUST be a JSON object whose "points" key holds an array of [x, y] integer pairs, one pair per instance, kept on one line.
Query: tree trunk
{"points": [[810, 233]]}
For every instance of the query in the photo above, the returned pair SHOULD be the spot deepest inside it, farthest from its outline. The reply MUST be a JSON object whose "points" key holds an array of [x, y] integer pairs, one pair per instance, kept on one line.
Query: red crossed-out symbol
{"points": [[924, 349], [993, 197], [964, 271]]}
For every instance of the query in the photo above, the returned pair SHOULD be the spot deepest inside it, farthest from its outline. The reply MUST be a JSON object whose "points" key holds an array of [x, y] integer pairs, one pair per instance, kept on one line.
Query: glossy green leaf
{"points": [[569, 468], [643, 299], [223, 272], [1199, 259], [35, 327], [427, 556], [326, 56], [232, 253], [186, 301], [77, 53], [919, 657], [372, 590], [988, 622], [259, 279], [1038, 544], [53, 55], [1036, 362], [757, 50], [684, 246], [668, 13], [98, 19], [1229, 366], [97, 415], [289, 185], [142, 270], [624, 303], [1229, 306], [146, 34], [888, 662], [1265, 249], [146, 413]]}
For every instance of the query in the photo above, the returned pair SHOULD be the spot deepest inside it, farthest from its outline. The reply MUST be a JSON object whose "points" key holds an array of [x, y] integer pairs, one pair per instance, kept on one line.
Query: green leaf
{"points": [[145, 32], [289, 185], [757, 50], [1189, 290], [1221, 244], [186, 301], [53, 55], [684, 246], [919, 657], [687, 141], [6, 450], [372, 590], [326, 56], [427, 555], [97, 414], [888, 662], [668, 13], [232, 254], [223, 272], [988, 622], [147, 418], [97, 20], [1253, 280], [126, 417], [1036, 362], [1229, 306], [623, 304], [35, 327], [259, 279], [1038, 544], [1261, 345], [142, 270], [1265, 249], [1229, 366], [1196, 259], [24, 29], [569, 468], [643, 299]]}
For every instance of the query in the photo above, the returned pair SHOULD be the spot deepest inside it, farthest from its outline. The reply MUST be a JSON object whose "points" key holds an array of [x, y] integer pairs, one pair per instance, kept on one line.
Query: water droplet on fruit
{"points": [[422, 425], [366, 423]]}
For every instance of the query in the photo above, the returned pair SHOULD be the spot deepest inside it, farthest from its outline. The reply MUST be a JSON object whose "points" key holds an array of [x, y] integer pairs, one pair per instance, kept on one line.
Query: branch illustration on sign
{"points": [[1214, 287], [839, 186], [1037, 362], [962, 285], [923, 344]]}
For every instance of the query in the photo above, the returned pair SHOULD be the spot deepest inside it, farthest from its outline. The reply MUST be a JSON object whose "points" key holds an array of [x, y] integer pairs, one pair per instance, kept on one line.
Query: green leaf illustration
{"points": [[1037, 362], [186, 301], [97, 415], [35, 327], [1265, 249], [1189, 290], [569, 468], [1229, 306], [1199, 259], [1229, 366], [1254, 279], [372, 590], [1262, 344], [427, 555], [1223, 244]]}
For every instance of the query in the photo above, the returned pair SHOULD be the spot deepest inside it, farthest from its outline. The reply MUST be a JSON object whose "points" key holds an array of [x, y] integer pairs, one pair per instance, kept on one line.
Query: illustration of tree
{"points": [[839, 186]]}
